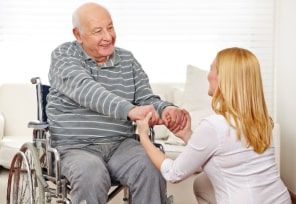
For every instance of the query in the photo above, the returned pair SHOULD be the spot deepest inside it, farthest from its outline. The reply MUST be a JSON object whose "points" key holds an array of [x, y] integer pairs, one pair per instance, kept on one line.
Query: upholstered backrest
{"points": [[2, 124], [18, 105]]}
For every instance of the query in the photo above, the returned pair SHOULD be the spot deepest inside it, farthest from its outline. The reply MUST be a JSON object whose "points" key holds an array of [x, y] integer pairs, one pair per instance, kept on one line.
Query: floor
{"points": [[182, 192]]}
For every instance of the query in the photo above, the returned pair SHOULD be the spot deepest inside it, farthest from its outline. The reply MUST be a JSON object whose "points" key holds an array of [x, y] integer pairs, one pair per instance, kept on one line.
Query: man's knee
{"points": [[94, 175], [84, 170]]}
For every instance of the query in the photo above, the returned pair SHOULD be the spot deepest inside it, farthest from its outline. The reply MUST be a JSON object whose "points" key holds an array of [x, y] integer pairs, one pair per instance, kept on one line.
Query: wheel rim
{"points": [[23, 185]]}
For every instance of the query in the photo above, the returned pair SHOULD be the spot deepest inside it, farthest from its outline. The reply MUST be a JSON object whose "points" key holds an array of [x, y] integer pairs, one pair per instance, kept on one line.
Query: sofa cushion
{"points": [[9, 146], [174, 140], [161, 132], [196, 117]]}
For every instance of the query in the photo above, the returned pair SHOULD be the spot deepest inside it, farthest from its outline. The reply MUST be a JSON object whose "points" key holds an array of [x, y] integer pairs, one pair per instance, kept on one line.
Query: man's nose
{"points": [[107, 35]]}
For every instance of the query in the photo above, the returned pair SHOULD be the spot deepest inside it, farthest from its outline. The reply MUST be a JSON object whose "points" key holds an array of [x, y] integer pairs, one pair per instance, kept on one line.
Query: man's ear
{"points": [[76, 33]]}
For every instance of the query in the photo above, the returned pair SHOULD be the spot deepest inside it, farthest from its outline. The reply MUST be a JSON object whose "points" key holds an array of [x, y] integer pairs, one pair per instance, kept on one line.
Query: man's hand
{"points": [[140, 112], [174, 118]]}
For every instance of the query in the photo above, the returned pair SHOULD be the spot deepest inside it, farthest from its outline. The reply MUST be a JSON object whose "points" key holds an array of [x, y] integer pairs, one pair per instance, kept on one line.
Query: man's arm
{"points": [[171, 116], [69, 78]]}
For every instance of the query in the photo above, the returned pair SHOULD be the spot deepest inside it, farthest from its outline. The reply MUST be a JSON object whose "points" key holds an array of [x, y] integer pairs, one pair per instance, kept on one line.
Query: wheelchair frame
{"points": [[32, 177]]}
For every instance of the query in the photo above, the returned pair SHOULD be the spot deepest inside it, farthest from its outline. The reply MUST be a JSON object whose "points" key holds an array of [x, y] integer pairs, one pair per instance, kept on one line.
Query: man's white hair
{"points": [[76, 20]]}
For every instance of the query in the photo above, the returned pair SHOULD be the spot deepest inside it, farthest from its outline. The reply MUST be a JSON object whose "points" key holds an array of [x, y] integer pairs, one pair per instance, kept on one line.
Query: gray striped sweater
{"points": [[89, 104]]}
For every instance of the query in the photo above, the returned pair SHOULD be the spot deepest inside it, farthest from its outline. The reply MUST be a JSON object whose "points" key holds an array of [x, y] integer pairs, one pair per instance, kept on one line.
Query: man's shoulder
{"points": [[123, 52], [66, 46]]}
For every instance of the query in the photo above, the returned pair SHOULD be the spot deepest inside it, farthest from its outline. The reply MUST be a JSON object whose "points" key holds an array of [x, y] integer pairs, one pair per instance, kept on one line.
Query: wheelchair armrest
{"points": [[152, 139], [38, 125], [159, 146]]}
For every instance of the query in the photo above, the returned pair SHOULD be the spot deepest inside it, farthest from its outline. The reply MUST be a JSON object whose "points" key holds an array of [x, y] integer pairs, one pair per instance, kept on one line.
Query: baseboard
{"points": [[293, 197]]}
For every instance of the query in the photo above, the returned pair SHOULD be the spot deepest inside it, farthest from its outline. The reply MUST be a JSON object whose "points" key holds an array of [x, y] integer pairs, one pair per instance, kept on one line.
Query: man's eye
{"points": [[96, 32]]}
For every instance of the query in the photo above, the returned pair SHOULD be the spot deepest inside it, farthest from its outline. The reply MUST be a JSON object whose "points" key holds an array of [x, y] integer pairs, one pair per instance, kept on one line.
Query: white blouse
{"points": [[238, 174]]}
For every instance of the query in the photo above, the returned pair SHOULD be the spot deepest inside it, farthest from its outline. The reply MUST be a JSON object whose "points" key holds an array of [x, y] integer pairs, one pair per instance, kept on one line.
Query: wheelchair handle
{"points": [[37, 81]]}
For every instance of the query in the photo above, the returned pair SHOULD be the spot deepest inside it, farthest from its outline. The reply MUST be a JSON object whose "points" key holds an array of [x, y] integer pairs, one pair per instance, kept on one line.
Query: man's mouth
{"points": [[106, 45]]}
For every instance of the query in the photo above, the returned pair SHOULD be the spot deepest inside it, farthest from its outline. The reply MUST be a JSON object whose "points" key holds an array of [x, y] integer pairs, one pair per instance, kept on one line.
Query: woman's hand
{"points": [[143, 125], [140, 112], [186, 132], [174, 118]]}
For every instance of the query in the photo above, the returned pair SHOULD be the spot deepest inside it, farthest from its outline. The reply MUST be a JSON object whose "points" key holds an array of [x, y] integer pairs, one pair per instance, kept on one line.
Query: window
{"points": [[164, 35]]}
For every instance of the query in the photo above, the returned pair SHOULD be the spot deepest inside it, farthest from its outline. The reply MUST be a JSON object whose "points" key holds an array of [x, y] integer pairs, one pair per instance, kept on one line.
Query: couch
{"points": [[18, 106]]}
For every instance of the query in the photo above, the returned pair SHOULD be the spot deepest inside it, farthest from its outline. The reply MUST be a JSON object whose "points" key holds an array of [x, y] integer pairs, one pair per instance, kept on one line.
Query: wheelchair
{"points": [[34, 176]]}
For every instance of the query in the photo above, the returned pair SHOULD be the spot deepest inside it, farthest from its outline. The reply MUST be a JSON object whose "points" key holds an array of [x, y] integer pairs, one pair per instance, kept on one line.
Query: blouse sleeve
{"points": [[201, 147]]}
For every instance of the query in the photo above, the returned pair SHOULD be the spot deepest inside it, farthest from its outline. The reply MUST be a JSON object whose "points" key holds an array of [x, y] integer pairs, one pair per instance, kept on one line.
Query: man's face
{"points": [[97, 35]]}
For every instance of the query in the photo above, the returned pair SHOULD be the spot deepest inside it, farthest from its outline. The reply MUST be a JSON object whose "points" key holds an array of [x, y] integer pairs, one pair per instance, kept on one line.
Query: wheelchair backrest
{"points": [[41, 92], [45, 90]]}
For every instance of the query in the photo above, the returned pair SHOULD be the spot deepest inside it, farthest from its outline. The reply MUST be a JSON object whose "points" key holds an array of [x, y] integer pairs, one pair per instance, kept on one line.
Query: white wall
{"points": [[285, 55]]}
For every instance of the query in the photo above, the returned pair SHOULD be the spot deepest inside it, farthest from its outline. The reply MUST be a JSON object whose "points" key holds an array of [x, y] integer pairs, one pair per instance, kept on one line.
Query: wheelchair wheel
{"points": [[25, 182]]}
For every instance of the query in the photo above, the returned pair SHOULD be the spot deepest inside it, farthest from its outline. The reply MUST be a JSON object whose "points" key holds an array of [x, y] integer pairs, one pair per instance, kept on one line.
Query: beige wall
{"points": [[285, 100]]}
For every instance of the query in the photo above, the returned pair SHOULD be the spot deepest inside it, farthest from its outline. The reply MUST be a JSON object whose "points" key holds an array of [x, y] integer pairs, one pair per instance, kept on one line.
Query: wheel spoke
{"points": [[23, 185]]}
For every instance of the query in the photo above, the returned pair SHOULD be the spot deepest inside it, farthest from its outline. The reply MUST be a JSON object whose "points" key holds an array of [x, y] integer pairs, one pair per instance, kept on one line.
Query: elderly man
{"points": [[97, 91]]}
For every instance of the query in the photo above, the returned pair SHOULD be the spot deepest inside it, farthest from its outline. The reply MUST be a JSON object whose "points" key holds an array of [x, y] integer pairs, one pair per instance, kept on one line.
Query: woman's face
{"points": [[213, 78]]}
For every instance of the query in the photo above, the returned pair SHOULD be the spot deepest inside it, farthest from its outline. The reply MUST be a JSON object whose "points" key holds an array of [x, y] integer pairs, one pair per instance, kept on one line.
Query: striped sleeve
{"points": [[67, 77]]}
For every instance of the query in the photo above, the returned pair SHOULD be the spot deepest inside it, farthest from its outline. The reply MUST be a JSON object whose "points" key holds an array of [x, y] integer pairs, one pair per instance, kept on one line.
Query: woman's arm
{"points": [[155, 155]]}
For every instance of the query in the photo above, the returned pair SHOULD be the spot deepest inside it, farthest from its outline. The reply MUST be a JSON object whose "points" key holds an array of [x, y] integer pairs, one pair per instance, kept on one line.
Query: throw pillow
{"points": [[196, 89], [196, 99]]}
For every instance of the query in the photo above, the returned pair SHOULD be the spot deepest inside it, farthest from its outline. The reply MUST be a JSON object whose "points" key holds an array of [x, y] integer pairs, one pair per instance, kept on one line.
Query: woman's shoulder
{"points": [[216, 121], [215, 118]]}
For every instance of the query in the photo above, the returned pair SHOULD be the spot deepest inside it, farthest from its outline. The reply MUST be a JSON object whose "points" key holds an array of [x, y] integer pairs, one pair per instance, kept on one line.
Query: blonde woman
{"points": [[233, 146]]}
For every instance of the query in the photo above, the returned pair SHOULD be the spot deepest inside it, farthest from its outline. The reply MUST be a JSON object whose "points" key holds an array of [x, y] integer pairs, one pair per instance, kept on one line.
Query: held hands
{"points": [[186, 132], [174, 118], [140, 112]]}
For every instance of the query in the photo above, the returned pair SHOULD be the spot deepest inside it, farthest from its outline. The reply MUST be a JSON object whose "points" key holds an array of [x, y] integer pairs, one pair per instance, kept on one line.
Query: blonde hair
{"points": [[240, 99]]}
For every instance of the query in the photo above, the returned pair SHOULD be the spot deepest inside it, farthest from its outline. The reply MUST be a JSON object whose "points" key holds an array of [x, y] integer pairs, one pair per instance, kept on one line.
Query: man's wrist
{"points": [[128, 114]]}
